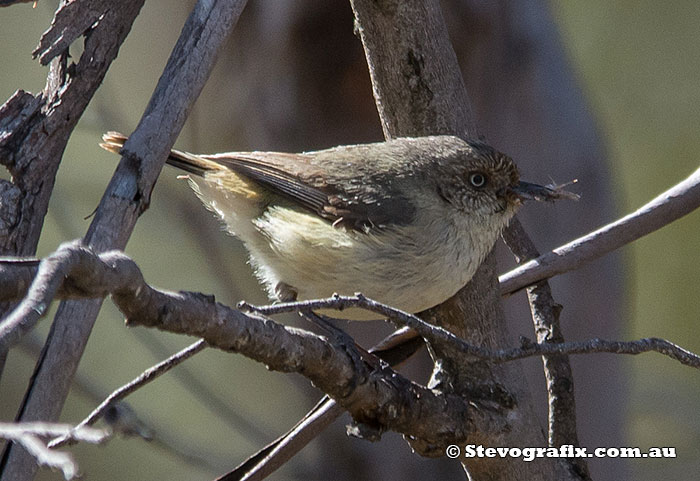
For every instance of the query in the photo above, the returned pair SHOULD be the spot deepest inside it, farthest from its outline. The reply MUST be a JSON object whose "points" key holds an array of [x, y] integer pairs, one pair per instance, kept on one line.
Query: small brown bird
{"points": [[406, 222]]}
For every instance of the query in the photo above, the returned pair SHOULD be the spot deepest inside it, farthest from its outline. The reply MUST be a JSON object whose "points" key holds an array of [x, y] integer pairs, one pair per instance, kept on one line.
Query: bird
{"points": [[406, 222]]}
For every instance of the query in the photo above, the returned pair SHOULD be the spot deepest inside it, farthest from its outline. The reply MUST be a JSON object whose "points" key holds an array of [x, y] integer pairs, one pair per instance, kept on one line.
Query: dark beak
{"points": [[527, 191]]}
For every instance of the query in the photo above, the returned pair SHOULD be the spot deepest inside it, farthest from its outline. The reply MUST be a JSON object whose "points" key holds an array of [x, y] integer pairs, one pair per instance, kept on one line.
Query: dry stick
{"points": [[673, 204], [438, 334], [151, 374], [394, 349], [126, 198], [557, 369], [193, 313], [29, 436], [226, 328]]}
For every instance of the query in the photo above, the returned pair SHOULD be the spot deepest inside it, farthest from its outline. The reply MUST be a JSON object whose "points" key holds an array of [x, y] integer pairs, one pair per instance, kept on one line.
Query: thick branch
{"points": [[418, 87], [380, 398], [127, 196], [419, 90]]}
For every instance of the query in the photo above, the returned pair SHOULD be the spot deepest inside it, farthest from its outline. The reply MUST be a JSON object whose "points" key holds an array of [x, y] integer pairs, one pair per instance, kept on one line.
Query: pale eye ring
{"points": [[477, 179]]}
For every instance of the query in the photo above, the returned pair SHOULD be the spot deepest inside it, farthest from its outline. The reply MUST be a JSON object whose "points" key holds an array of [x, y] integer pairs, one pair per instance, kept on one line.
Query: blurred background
{"points": [[605, 92]]}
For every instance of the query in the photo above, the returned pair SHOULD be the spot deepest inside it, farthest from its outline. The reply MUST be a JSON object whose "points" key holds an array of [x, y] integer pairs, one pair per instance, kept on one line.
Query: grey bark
{"points": [[126, 197], [419, 90]]}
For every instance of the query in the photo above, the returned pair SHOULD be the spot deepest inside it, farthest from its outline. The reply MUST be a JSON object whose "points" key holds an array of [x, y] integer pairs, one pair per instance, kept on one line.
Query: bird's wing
{"points": [[359, 196], [352, 203]]}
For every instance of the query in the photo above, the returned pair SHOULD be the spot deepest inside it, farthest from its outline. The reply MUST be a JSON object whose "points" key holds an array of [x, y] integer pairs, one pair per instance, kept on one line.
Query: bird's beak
{"points": [[527, 191]]}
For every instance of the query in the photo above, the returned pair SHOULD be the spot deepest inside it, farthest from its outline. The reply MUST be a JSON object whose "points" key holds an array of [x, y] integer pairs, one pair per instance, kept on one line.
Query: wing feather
{"points": [[354, 202], [298, 178]]}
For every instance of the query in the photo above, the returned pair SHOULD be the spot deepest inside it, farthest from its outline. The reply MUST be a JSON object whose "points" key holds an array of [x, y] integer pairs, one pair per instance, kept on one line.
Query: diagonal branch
{"points": [[196, 314], [680, 200], [146, 377], [126, 198], [381, 398]]}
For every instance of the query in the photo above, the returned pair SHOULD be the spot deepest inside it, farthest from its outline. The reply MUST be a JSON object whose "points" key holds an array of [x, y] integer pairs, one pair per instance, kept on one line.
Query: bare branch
{"points": [[381, 398], [30, 435], [649, 344], [128, 194], [557, 369], [193, 313], [146, 377], [673, 204], [437, 334]]}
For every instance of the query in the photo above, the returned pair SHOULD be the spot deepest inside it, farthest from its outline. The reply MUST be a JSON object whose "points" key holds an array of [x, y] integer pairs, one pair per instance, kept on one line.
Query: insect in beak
{"points": [[528, 191]]}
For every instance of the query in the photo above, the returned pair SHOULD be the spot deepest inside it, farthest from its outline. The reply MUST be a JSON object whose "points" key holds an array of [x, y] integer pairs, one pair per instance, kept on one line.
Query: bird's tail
{"points": [[194, 164]]}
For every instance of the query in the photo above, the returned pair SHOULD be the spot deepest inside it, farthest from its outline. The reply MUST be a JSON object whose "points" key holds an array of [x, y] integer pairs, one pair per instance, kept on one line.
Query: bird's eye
{"points": [[477, 179]]}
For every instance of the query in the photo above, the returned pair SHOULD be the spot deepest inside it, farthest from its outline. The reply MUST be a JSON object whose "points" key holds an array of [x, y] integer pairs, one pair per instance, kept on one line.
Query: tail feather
{"points": [[114, 141]]}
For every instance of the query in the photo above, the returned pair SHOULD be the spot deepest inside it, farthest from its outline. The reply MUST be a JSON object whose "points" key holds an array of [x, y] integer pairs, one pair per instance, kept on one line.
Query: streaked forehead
{"points": [[486, 157]]}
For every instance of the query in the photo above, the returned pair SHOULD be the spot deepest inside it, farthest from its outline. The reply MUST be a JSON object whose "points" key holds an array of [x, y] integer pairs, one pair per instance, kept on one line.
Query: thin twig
{"points": [[237, 417], [673, 204], [144, 378], [435, 333]]}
